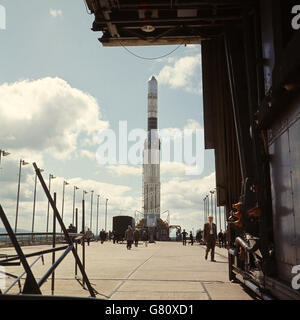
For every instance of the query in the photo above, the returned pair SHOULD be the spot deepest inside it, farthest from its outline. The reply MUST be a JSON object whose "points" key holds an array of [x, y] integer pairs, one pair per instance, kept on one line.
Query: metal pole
{"points": [[98, 199], [212, 208], [73, 205], [74, 202], [83, 240], [204, 204], [76, 244], [91, 217], [63, 201], [225, 217], [18, 196], [34, 200], [30, 283], [207, 205], [106, 214], [67, 237], [53, 246], [47, 226], [216, 211], [220, 217]]}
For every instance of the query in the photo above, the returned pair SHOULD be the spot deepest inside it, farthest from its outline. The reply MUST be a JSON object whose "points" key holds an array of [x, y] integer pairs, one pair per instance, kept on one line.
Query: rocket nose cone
{"points": [[152, 85], [152, 78]]}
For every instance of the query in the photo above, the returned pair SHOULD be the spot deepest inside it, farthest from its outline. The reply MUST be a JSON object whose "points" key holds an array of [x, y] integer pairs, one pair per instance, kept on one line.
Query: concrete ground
{"points": [[164, 270]]}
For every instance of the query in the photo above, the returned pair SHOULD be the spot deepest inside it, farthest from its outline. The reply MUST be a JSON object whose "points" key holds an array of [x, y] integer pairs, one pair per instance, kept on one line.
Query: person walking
{"points": [[145, 237], [191, 238], [210, 236], [184, 234], [102, 236], [114, 237], [136, 237], [129, 237], [88, 236]]}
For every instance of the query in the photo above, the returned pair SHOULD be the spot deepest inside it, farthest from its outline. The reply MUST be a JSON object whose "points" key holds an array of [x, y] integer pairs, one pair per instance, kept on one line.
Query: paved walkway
{"points": [[165, 270]]}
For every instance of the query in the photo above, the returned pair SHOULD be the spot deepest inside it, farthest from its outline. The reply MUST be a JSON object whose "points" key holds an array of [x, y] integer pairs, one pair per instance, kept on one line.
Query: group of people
{"points": [[184, 237], [133, 235]]}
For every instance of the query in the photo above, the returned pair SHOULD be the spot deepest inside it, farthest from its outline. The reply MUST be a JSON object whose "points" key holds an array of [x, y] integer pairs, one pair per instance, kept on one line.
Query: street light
{"points": [[22, 163], [34, 199], [83, 193], [207, 206], [74, 194], [215, 193], [211, 199], [3, 154], [65, 183], [51, 176], [98, 200], [204, 206], [91, 218]]}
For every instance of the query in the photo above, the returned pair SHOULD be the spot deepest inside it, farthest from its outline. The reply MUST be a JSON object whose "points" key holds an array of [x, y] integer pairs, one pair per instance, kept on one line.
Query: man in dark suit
{"points": [[210, 236]]}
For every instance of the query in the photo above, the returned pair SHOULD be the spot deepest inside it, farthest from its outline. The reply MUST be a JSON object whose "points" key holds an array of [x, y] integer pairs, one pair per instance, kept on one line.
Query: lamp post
{"points": [[207, 209], [215, 193], [106, 200], [204, 206], [51, 176], [211, 202], [3, 154], [22, 163], [65, 183], [91, 218], [74, 195], [98, 201], [83, 193], [34, 200]]}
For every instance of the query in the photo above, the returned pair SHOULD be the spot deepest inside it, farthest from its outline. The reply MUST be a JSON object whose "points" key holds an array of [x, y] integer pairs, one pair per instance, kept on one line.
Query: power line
{"points": [[150, 58]]}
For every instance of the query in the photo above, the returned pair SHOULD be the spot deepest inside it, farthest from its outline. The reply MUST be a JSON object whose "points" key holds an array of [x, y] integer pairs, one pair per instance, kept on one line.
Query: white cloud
{"points": [[120, 197], [47, 115], [174, 168], [192, 125], [121, 170], [184, 199], [183, 73], [55, 13], [88, 154]]}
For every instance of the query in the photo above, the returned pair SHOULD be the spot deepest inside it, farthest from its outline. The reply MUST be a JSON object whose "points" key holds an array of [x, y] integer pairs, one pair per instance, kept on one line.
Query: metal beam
{"points": [[30, 285], [67, 237]]}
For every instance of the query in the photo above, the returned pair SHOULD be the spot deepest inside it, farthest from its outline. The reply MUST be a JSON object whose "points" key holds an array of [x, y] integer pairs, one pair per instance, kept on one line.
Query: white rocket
{"points": [[151, 166]]}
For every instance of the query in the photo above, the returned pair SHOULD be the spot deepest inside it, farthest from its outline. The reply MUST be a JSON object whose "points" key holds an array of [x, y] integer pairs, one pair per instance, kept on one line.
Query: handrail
{"points": [[19, 278]]}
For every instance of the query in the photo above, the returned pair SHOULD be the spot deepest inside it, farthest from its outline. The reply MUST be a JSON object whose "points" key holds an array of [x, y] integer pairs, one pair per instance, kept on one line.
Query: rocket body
{"points": [[151, 156]]}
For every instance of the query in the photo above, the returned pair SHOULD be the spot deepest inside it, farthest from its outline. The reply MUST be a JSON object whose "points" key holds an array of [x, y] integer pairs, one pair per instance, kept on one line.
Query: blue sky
{"points": [[59, 86]]}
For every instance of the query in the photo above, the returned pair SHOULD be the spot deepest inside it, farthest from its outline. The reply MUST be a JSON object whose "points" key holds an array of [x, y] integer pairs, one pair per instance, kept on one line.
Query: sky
{"points": [[59, 88]]}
